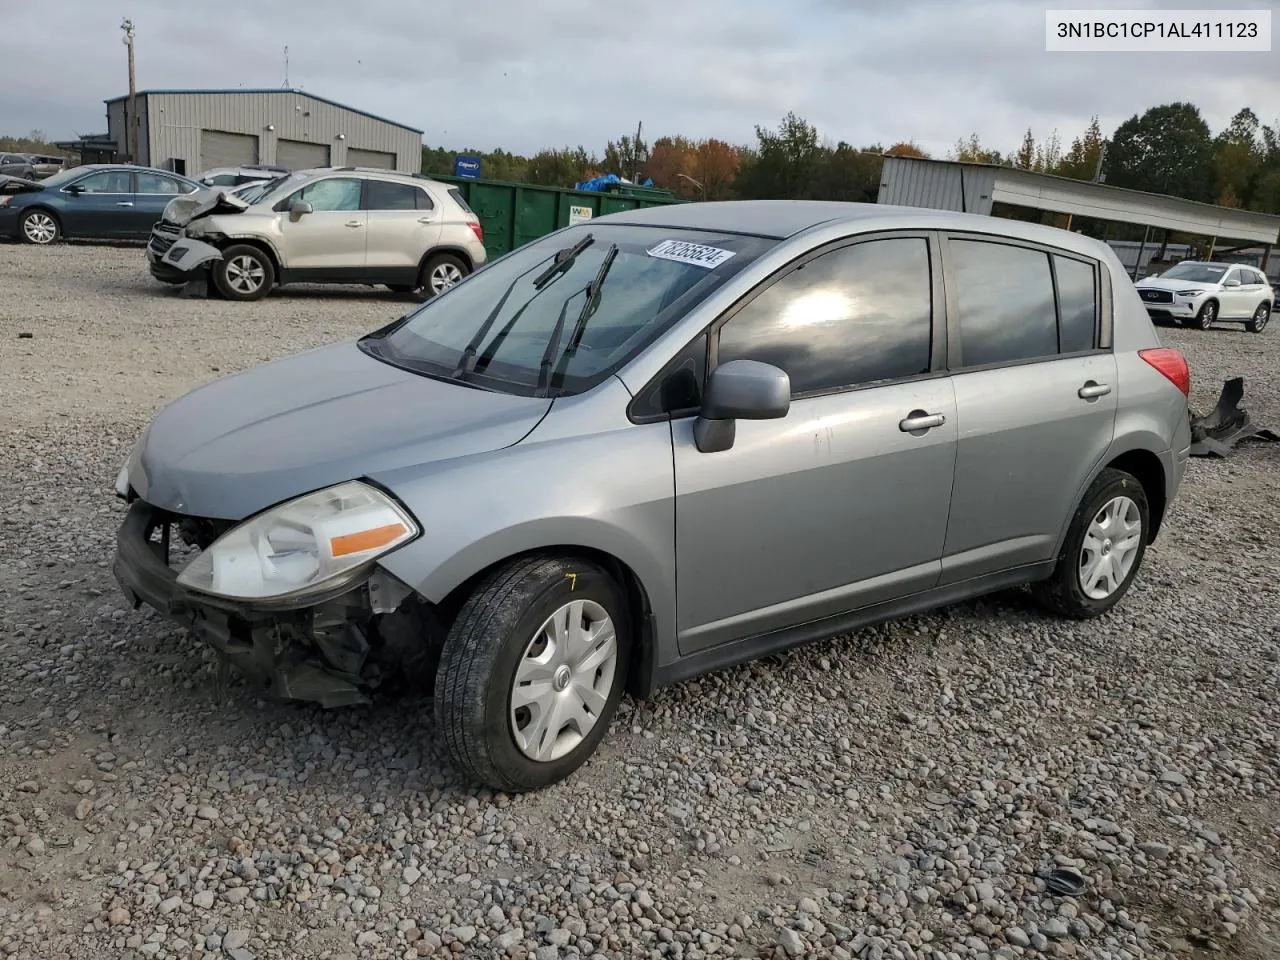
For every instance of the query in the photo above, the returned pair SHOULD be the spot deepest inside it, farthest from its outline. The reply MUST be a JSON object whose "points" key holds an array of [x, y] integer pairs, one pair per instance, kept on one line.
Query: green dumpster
{"points": [[513, 214]]}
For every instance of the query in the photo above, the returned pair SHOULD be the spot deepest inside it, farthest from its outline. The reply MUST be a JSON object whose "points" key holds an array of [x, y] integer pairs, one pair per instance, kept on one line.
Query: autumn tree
{"points": [[671, 162], [906, 149], [1080, 162], [1165, 150], [786, 163], [560, 168], [716, 166], [970, 150]]}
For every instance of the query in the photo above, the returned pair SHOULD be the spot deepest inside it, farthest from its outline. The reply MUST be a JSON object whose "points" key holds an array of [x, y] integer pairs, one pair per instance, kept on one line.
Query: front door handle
{"points": [[920, 420], [1092, 390], [353, 223], [425, 220], [124, 203]]}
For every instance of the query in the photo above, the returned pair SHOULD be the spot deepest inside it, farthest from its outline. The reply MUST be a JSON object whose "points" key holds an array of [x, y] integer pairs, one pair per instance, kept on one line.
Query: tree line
{"points": [[1168, 149]]}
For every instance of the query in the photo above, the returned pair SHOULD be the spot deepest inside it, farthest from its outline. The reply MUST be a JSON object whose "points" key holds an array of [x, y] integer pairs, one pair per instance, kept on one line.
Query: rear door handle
{"points": [[920, 420], [124, 203], [1092, 390], [353, 223]]}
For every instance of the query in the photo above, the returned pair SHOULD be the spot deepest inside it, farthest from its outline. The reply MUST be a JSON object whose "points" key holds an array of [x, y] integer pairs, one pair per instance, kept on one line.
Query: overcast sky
{"points": [[524, 74]]}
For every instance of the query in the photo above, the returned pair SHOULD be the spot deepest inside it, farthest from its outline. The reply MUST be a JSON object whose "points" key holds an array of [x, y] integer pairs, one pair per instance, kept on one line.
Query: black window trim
{"points": [[1102, 306], [938, 338]]}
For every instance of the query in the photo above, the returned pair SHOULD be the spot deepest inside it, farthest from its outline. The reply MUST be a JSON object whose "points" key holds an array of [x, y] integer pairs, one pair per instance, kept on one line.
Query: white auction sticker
{"points": [[694, 254]]}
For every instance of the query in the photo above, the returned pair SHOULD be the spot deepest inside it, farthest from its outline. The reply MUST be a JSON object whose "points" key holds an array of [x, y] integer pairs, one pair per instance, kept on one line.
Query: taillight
{"points": [[1172, 364], [477, 229]]}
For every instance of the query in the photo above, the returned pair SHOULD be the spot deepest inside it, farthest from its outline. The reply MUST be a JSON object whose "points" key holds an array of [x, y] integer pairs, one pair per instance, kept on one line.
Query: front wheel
{"points": [[532, 672], [39, 227], [1203, 320], [1258, 322], [1103, 549], [244, 273]]}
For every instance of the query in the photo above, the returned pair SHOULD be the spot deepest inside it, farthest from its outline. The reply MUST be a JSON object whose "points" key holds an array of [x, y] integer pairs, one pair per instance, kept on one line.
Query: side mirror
{"points": [[75, 188], [739, 390], [298, 207], [1232, 282]]}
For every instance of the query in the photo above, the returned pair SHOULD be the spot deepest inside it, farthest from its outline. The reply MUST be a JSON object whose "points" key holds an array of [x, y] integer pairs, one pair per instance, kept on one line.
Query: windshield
{"points": [[62, 176], [275, 185], [648, 277], [253, 192], [1196, 272]]}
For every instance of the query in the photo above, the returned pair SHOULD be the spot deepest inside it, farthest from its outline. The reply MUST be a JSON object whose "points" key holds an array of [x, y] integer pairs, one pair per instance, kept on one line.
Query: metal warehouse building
{"points": [[189, 131]]}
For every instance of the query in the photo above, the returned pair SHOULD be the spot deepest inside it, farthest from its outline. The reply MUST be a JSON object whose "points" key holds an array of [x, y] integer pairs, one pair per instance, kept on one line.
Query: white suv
{"points": [[329, 225], [1198, 292]]}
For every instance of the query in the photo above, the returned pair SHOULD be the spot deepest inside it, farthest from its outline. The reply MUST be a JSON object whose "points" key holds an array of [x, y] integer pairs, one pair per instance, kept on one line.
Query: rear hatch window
{"points": [[457, 197]]}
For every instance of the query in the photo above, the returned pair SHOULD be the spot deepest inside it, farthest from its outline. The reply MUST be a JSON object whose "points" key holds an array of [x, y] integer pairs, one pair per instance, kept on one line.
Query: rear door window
{"points": [[155, 183], [1005, 298], [385, 195], [108, 181], [1077, 304]]}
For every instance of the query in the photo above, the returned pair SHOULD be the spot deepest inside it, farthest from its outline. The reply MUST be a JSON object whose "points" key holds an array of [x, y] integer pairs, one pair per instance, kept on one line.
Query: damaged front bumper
{"points": [[182, 261], [334, 651]]}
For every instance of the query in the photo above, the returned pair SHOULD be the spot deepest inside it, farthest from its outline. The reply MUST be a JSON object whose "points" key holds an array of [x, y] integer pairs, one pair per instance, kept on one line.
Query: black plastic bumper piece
{"points": [[265, 646]]}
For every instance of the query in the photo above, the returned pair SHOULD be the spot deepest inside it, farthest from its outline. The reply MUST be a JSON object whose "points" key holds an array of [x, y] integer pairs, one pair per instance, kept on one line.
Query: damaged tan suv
{"points": [[328, 225]]}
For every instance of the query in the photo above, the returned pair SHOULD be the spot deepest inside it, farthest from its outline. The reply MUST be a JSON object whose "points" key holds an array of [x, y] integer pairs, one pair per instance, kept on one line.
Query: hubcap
{"points": [[1261, 315], [40, 228], [444, 276], [1210, 312], [1110, 548], [245, 274], [563, 680]]}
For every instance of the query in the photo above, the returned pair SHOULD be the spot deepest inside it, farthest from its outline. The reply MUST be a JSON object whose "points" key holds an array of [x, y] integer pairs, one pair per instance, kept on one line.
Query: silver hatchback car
{"points": [[659, 444]]}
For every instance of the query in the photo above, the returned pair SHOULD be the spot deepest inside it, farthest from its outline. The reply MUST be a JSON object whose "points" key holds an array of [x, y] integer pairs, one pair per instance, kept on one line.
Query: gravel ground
{"points": [[897, 793]]}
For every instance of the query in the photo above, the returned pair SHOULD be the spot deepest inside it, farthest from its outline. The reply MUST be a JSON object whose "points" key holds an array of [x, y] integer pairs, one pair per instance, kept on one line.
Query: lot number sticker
{"points": [[694, 254]]}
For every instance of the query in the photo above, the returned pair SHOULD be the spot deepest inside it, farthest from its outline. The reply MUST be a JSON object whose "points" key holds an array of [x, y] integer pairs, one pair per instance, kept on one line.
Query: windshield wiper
{"points": [[593, 292], [562, 261]]}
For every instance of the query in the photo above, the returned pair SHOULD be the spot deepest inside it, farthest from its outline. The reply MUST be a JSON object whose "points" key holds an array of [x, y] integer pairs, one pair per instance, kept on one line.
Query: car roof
{"points": [[782, 219]]}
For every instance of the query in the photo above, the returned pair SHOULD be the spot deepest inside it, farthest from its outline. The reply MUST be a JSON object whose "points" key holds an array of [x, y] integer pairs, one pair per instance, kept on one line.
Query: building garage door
{"points": [[220, 149], [297, 155], [371, 158]]}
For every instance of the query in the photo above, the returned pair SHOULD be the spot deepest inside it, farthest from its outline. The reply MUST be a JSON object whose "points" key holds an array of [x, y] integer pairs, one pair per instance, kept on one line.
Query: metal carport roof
{"points": [[974, 187]]}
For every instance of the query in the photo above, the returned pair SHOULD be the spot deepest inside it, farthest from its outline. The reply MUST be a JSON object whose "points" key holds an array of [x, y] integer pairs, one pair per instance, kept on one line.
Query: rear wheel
{"points": [[1103, 550], [244, 273], [39, 227], [1204, 319], [1258, 322], [439, 273], [532, 672]]}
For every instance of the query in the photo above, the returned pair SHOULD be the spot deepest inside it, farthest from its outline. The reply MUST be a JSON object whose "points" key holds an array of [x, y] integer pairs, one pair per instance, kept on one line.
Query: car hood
{"points": [[10, 184], [251, 440], [182, 210], [1160, 283]]}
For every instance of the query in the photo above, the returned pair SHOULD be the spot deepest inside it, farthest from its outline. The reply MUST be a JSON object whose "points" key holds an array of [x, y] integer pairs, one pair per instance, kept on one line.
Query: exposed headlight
{"points": [[308, 545]]}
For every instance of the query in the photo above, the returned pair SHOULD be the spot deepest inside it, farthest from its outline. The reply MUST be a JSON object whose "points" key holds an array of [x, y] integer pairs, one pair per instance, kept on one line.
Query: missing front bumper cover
{"points": [[333, 653]]}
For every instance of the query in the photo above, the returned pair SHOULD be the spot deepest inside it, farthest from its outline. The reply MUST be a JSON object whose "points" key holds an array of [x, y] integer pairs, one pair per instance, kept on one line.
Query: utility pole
{"points": [[635, 154], [1098, 176], [132, 122]]}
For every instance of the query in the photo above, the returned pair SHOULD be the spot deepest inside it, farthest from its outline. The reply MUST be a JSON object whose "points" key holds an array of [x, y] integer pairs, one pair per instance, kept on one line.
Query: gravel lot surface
{"points": [[897, 793]]}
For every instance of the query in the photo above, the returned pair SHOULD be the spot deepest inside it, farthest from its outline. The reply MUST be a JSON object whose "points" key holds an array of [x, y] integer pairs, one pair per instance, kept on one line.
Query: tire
{"points": [[498, 632], [1258, 322], [39, 227], [244, 273], [1066, 592], [1204, 319], [439, 273]]}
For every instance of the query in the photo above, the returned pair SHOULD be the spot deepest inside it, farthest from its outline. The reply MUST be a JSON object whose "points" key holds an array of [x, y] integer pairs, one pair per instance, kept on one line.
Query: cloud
{"points": [[523, 75]]}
